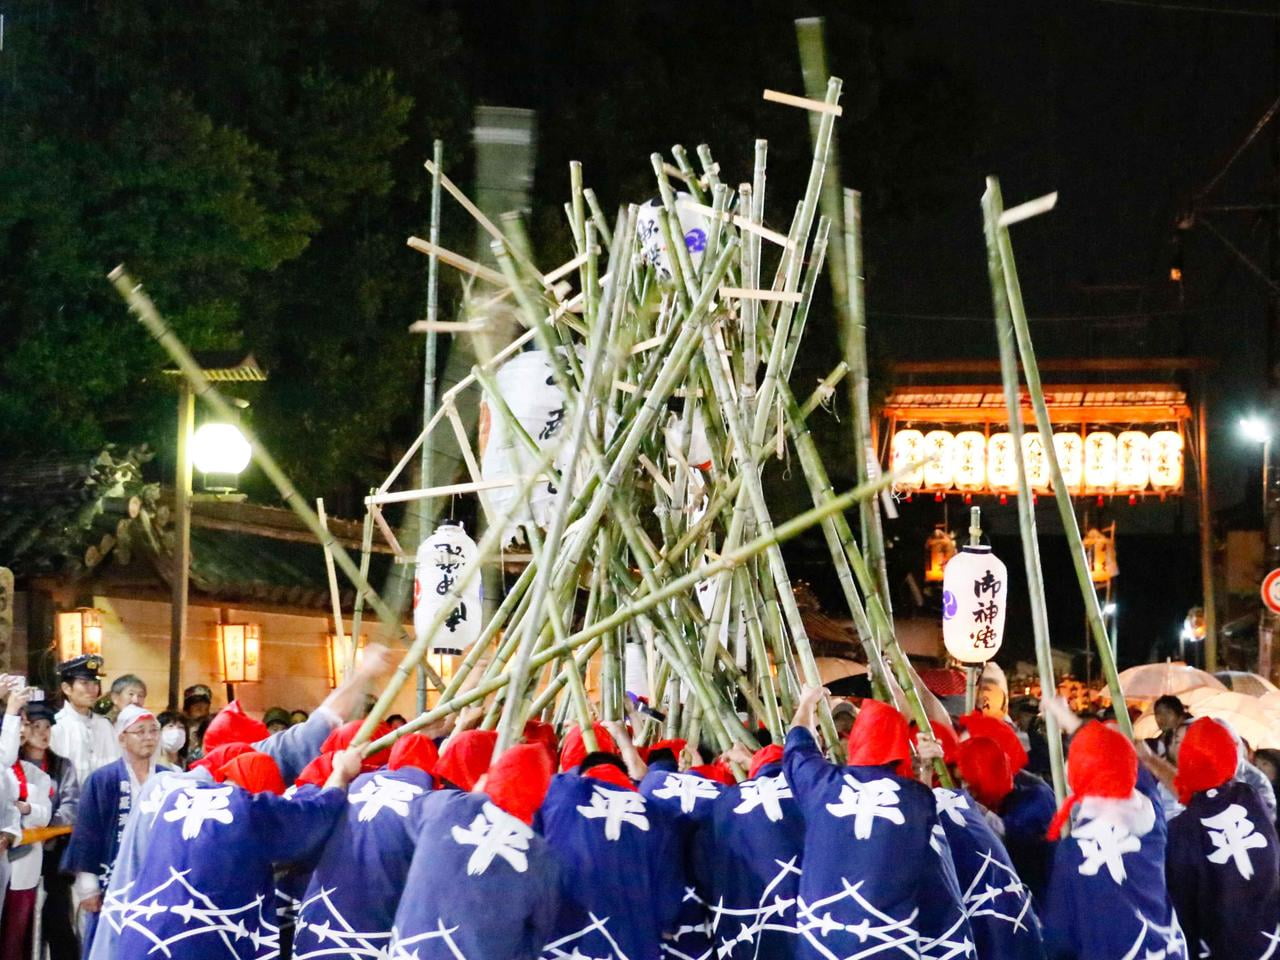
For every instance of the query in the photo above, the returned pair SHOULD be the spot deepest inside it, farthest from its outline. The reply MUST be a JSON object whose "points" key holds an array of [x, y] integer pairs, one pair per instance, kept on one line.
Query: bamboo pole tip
{"points": [[116, 273]]}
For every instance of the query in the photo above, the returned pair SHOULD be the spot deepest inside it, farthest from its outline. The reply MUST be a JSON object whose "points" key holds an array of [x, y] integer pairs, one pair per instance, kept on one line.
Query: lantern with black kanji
{"points": [[440, 562], [940, 548], [975, 589]]}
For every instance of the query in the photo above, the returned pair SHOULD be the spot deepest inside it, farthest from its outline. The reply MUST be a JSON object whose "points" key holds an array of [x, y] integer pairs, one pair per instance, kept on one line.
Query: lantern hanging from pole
{"points": [[970, 457], [1165, 453], [1002, 467], [1035, 461], [939, 473], [1132, 467], [1100, 551], [908, 448], [974, 596], [241, 651], [940, 548], [1070, 450], [653, 246], [440, 562], [1100, 462]]}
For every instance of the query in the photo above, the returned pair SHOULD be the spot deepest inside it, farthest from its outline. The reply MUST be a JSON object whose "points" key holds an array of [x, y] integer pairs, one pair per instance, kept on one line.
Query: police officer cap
{"points": [[87, 667]]}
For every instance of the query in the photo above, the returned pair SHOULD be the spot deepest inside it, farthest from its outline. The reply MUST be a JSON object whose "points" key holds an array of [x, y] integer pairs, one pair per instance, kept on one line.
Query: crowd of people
{"points": [[202, 835]]}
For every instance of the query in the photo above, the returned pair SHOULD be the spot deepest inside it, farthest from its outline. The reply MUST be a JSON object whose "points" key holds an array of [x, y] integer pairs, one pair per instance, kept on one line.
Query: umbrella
{"points": [[1252, 684], [1152, 680], [1257, 724]]}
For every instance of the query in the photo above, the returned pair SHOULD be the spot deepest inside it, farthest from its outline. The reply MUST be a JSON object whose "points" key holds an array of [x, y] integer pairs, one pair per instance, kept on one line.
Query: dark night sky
{"points": [[1126, 110]]}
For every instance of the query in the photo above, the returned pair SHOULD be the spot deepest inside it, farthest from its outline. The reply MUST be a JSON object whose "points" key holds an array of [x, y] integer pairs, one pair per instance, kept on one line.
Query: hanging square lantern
{"points": [[1165, 455], [1036, 461], [338, 650], [79, 633], [1133, 468], [241, 650], [1100, 551], [939, 473], [908, 447], [940, 548], [1070, 450], [1100, 462], [440, 561], [969, 454], [974, 596], [1002, 467]]}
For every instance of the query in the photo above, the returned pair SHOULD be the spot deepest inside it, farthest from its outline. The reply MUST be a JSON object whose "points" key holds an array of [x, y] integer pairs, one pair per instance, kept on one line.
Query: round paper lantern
{"points": [[970, 457], [1002, 467], [974, 596], [1165, 454], [1036, 461], [1070, 450], [441, 559], [653, 248], [908, 448], [1133, 469], [1100, 461], [528, 387], [940, 473]]}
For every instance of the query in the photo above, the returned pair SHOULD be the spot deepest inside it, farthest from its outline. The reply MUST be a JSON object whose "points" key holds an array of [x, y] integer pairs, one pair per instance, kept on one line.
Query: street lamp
{"points": [[221, 453], [1258, 430]]}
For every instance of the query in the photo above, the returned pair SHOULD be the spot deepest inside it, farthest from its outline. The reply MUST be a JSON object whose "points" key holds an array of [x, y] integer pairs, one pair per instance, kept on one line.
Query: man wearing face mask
{"points": [[173, 739]]}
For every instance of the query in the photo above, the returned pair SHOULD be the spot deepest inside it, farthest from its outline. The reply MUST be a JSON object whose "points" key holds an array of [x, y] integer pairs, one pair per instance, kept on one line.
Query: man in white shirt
{"points": [[80, 735]]}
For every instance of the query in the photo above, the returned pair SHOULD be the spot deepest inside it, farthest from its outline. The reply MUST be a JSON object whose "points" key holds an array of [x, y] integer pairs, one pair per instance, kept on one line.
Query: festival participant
{"points": [[349, 905], [873, 882], [482, 884], [465, 758], [619, 864], [57, 925], [1025, 805], [1222, 863], [205, 888], [748, 863], [104, 808], [1107, 896], [80, 735], [574, 748], [34, 792], [998, 905]]}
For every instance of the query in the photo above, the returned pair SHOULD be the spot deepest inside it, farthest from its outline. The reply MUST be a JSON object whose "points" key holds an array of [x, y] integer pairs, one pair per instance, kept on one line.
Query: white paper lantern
{"points": [[1002, 467], [970, 456], [1165, 453], [653, 248], [908, 448], [1070, 450], [526, 384], [636, 670], [939, 474], [974, 597], [441, 559], [1133, 469], [1100, 462], [1036, 461]]}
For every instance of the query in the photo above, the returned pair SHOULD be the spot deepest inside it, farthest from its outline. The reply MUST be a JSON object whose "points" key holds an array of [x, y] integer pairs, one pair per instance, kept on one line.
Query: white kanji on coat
{"points": [[196, 806], [616, 807], [866, 802], [688, 788], [767, 793], [1104, 845], [1233, 837], [383, 793], [494, 833], [949, 803]]}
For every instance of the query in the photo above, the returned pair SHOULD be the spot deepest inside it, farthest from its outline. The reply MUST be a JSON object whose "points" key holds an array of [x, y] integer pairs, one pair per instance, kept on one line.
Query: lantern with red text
{"points": [[974, 595], [908, 449]]}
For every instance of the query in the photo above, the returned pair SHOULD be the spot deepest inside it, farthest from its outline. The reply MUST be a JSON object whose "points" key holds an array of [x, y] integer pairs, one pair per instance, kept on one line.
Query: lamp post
{"points": [[1258, 430]]}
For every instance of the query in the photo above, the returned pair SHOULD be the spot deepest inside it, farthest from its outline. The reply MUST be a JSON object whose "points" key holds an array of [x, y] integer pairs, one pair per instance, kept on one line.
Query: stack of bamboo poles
{"points": [[635, 528]]}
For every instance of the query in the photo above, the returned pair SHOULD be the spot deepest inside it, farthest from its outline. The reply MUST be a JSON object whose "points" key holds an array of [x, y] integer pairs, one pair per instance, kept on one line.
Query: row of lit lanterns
{"points": [[1098, 462]]}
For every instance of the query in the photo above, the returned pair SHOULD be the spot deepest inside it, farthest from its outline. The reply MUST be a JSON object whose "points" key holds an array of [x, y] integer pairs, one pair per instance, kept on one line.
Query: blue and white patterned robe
{"points": [[749, 868], [482, 884], [205, 889], [350, 903], [878, 881], [1224, 875], [998, 904], [620, 877]]}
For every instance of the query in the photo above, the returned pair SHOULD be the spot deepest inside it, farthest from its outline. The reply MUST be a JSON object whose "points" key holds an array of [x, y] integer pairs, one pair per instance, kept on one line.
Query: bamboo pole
{"points": [[335, 598]]}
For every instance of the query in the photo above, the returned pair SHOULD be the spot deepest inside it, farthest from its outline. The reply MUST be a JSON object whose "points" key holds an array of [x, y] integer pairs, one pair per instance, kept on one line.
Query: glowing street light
{"points": [[1255, 429], [220, 449]]}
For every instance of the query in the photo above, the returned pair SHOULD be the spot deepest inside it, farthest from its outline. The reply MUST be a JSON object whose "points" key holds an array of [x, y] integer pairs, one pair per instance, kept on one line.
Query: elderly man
{"points": [[104, 809], [80, 735]]}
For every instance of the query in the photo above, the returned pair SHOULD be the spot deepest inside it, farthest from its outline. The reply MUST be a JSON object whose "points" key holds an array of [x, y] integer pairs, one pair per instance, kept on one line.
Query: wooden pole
{"points": [[1205, 512], [180, 584]]}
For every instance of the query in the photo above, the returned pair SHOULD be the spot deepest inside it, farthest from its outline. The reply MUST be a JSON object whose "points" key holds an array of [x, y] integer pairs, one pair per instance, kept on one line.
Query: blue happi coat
{"points": [[749, 868], [350, 902], [1026, 814], [105, 802], [688, 799], [205, 888], [1107, 897], [1222, 870], [483, 884], [878, 881], [998, 904], [620, 877]]}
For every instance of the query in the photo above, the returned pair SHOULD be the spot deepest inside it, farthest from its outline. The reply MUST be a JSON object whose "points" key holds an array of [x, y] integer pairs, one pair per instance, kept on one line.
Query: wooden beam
{"points": [[1078, 365], [1118, 415], [276, 533]]}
